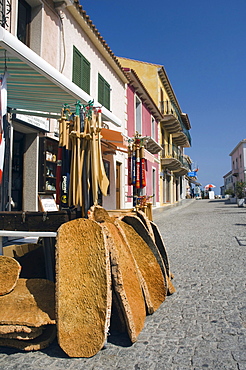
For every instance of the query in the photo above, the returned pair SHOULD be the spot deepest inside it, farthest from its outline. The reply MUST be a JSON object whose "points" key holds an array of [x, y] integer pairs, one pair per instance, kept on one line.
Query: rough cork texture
{"points": [[36, 344], [153, 283], [139, 227], [22, 335], [147, 223], [126, 281], [9, 274], [161, 247], [31, 303], [8, 329], [83, 288], [99, 214]]}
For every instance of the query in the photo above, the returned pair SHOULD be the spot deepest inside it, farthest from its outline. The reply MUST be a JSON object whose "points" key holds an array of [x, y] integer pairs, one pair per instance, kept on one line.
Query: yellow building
{"points": [[174, 129]]}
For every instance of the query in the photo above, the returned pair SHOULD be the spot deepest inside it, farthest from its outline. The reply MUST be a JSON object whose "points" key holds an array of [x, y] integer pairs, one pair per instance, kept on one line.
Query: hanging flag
{"points": [[3, 110], [142, 168], [134, 165], [129, 165], [137, 164]]}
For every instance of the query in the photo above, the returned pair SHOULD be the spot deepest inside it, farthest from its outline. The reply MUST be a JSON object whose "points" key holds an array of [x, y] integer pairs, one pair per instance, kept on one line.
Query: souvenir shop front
{"points": [[32, 96]]}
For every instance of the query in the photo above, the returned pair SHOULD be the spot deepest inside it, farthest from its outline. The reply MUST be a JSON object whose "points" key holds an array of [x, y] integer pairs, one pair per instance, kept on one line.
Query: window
{"points": [[81, 71], [103, 92], [138, 110], [23, 22]]}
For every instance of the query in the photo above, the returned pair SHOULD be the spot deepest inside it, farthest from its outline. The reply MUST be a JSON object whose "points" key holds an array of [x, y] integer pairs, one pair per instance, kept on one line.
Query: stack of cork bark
{"points": [[27, 309], [107, 264]]}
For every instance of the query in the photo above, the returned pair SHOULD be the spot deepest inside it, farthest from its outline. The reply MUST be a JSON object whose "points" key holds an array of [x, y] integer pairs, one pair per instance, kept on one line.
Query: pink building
{"points": [[238, 162], [143, 117]]}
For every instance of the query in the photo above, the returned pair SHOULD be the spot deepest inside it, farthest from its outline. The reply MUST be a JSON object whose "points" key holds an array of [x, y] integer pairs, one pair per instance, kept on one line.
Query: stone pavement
{"points": [[202, 325]]}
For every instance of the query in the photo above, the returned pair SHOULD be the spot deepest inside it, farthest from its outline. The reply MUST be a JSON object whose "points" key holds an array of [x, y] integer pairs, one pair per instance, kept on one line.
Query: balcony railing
{"points": [[172, 120], [173, 158]]}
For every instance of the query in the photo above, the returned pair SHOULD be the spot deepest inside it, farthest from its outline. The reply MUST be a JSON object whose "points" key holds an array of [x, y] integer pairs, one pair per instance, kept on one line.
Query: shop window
{"points": [[103, 92], [23, 22], [81, 71]]}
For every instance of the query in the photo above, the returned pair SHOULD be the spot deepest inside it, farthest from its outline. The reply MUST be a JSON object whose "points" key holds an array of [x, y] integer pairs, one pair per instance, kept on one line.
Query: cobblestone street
{"points": [[203, 324]]}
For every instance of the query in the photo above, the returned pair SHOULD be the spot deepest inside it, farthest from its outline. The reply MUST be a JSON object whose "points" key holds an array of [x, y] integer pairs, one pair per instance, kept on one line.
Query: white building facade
{"points": [[54, 55]]}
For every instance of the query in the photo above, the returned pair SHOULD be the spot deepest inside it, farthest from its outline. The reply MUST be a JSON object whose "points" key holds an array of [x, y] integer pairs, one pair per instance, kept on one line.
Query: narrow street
{"points": [[203, 324]]}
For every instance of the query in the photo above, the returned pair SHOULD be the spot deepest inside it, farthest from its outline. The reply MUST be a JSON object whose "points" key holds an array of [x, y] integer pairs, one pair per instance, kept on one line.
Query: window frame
{"points": [[24, 38]]}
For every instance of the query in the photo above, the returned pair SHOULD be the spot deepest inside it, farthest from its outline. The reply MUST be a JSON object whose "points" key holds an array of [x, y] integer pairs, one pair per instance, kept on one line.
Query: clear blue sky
{"points": [[202, 46]]}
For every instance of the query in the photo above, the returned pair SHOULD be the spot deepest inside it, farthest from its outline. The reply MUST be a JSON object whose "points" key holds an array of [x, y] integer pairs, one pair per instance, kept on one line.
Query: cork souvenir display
{"points": [[40, 342], [125, 281], [9, 274], [83, 288], [117, 319], [147, 223], [139, 227], [162, 249], [22, 335], [31, 303], [10, 329], [153, 284], [99, 214]]}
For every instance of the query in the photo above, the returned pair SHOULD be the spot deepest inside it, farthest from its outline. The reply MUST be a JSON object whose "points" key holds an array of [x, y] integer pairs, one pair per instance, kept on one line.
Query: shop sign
{"points": [[192, 174], [39, 122]]}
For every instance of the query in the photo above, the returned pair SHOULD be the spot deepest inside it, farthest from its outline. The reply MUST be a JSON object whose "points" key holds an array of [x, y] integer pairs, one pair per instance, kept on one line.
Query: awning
{"points": [[34, 85], [114, 137]]}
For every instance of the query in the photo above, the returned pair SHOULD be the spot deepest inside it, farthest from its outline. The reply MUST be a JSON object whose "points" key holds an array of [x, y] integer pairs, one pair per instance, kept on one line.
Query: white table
{"points": [[48, 246]]}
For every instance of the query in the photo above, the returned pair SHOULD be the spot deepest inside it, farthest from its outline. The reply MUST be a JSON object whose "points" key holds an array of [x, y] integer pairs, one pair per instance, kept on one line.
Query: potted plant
{"points": [[240, 192]]}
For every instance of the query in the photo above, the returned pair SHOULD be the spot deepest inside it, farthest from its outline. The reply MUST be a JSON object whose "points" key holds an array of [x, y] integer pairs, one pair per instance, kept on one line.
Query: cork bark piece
{"points": [[125, 281], [83, 288], [8, 329], [117, 320], [99, 214], [160, 245], [142, 231], [154, 286], [36, 344], [32, 302], [9, 274], [147, 223], [22, 335], [162, 249]]}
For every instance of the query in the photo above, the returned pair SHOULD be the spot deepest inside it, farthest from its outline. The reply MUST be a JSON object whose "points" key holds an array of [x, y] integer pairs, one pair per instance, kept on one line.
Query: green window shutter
{"points": [[81, 71], [76, 67], [86, 69], [106, 95], [103, 92], [100, 89]]}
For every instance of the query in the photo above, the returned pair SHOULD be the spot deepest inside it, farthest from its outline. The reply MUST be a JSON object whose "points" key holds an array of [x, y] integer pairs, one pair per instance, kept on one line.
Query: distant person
{"points": [[197, 192]]}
